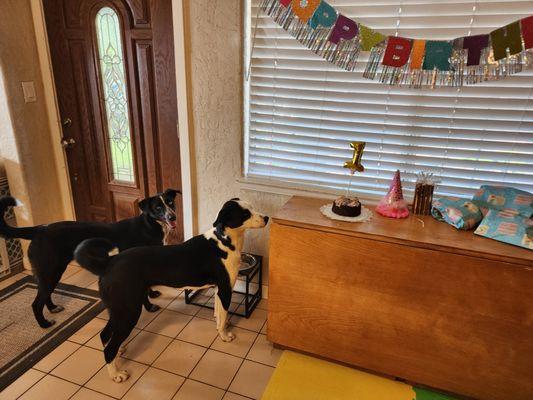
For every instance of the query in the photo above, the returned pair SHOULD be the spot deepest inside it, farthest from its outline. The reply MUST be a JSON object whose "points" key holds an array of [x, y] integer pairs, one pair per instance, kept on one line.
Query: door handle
{"points": [[67, 143]]}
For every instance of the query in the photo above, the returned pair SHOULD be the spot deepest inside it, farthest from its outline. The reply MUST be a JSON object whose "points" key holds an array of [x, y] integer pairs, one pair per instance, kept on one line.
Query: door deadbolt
{"points": [[67, 143]]}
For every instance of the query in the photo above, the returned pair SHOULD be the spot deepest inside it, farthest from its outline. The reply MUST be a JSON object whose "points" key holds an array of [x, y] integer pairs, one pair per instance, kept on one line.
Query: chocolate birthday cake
{"points": [[347, 206]]}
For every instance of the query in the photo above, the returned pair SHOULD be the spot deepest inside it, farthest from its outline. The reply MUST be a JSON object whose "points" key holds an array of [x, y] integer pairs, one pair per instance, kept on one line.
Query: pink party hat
{"points": [[393, 205]]}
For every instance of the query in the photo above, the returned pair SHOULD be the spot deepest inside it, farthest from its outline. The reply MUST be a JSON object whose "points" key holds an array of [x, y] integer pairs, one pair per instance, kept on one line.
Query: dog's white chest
{"points": [[232, 264], [233, 260]]}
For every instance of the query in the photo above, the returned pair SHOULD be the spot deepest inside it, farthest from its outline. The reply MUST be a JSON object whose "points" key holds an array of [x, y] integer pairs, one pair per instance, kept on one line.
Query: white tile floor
{"points": [[174, 354]]}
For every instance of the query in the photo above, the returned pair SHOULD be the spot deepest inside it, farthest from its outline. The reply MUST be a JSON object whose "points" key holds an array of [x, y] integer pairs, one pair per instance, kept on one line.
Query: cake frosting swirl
{"points": [[347, 206]]}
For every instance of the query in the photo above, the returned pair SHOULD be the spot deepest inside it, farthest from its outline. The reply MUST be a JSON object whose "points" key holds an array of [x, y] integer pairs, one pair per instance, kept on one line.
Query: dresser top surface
{"points": [[419, 231]]}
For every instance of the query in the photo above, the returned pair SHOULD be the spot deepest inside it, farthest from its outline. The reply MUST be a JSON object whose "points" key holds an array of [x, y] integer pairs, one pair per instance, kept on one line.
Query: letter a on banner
{"points": [[397, 52], [325, 15]]}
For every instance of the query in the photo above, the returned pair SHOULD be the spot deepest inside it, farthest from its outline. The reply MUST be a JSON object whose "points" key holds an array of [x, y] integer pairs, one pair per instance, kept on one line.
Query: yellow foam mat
{"points": [[302, 377]]}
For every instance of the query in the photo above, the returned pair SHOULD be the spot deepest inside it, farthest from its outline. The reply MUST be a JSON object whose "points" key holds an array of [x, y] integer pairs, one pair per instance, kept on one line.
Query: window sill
{"points": [[294, 189]]}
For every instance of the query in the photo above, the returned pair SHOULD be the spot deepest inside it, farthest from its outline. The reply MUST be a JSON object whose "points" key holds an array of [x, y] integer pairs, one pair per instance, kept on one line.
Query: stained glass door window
{"points": [[113, 78]]}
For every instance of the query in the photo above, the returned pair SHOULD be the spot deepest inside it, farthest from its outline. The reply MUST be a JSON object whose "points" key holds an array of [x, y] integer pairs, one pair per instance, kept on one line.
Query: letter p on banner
{"points": [[344, 28]]}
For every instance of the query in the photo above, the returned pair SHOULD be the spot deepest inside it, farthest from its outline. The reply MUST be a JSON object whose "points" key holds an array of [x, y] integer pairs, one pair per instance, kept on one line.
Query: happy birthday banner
{"points": [[402, 61]]}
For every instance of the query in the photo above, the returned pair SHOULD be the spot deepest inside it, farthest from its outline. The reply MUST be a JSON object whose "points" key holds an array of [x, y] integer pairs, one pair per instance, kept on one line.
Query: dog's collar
{"points": [[224, 239]]}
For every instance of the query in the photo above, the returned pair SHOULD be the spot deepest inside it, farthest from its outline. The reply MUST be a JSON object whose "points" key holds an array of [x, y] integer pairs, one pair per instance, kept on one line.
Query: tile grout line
{"points": [[193, 343], [200, 359], [241, 395], [49, 373], [195, 315], [242, 362], [53, 376], [203, 355], [246, 359], [38, 380], [140, 330], [166, 347], [92, 376], [74, 394], [152, 366]]}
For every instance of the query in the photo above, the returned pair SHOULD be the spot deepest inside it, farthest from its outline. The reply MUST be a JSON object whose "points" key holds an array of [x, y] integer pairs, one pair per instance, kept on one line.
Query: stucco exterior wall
{"points": [[214, 36]]}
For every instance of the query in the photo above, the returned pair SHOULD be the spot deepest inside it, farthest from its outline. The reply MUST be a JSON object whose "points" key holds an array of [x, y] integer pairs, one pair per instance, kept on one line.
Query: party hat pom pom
{"points": [[393, 205]]}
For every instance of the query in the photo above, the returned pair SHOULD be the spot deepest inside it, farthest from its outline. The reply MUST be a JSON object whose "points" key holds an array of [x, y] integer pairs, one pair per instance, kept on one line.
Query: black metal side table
{"points": [[252, 272]]}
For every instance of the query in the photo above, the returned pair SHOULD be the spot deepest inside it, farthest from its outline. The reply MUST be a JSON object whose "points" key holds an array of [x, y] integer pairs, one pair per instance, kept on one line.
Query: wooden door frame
{"points": [[52, 107]]}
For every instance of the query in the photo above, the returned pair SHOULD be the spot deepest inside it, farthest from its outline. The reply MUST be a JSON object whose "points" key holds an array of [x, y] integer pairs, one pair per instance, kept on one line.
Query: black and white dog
{"points": [[208, 260], [52, 246]]}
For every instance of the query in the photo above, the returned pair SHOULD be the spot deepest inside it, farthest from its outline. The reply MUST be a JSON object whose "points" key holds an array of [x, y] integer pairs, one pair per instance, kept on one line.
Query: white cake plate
{"points": [[365, 215]]}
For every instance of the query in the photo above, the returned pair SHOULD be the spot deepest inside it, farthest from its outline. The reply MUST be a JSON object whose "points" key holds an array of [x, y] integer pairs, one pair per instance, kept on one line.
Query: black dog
{"points": [[207, 260], [52, 246]]}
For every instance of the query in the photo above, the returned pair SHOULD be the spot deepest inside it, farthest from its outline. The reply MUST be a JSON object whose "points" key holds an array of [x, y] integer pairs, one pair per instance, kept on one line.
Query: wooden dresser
{"points": [[414, 299]]}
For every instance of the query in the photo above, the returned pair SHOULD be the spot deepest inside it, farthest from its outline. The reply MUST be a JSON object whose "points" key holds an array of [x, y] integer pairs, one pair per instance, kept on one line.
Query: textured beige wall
{"points": [[25, 140], [214, 41]]}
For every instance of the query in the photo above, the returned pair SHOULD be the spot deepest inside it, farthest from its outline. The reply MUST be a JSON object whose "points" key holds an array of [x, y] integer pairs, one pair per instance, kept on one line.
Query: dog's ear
{"points": [[222, 218], [235, 199], [143, 205], [172, 192]]}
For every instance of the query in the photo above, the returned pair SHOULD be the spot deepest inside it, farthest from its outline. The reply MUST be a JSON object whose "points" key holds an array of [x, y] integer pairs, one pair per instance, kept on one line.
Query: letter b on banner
{"points": [[397, 52]]}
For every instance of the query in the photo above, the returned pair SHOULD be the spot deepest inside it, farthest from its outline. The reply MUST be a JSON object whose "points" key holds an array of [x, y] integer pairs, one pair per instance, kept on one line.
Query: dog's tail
{"points": [[93, 255], [9, 232]]}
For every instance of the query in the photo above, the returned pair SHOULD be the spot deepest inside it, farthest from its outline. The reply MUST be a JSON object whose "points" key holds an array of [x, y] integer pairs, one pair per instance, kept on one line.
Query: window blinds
{"points": [[303, 112]]}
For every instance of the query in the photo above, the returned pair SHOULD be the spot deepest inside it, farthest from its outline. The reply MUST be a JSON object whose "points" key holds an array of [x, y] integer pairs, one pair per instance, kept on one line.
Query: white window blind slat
{"points": [[303, 112], [427, 151]]}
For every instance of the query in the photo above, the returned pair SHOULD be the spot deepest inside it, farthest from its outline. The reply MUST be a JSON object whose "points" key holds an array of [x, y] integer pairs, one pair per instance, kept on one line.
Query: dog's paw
{"points": [[154, 294], [57, 309], [153, 308], [120, 376], [227, 336], [47, 323]]}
